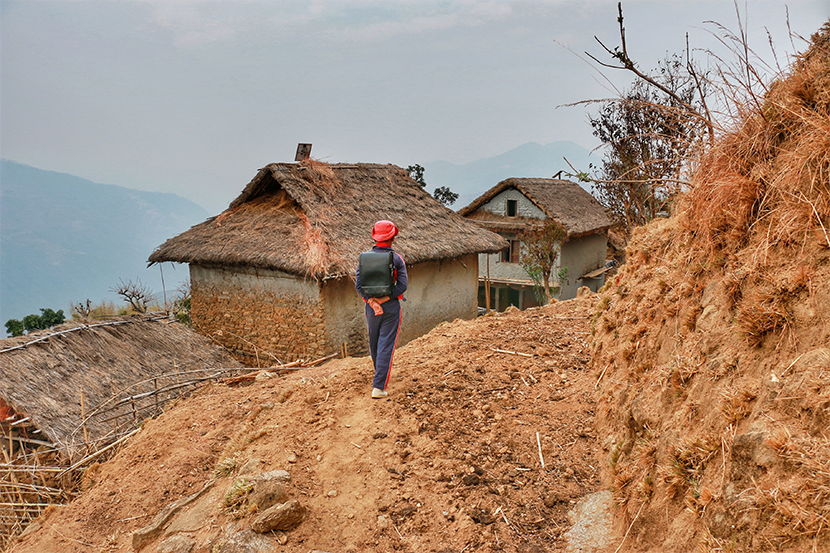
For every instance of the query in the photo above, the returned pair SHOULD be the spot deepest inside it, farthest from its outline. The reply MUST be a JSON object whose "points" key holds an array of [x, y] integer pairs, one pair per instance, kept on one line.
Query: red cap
{"points": [[384, 230]]}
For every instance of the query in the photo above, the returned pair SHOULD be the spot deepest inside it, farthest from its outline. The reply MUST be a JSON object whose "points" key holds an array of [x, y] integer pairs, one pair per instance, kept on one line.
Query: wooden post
{"points": [[163, 290], [487, 284], [83, 419], [156, 394]]}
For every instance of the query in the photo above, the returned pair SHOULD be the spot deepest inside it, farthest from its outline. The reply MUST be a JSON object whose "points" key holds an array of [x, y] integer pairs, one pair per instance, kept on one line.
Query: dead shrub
{"points": [[760, 314], [736, 404], [689, 458], [801, 504]]}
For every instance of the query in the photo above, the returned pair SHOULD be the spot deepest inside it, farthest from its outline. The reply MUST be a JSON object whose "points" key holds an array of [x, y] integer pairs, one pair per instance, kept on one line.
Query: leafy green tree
{"points": [[540, 249], [32, 322], [417, 174], [443, 194], [15, 327], [47, 319]]}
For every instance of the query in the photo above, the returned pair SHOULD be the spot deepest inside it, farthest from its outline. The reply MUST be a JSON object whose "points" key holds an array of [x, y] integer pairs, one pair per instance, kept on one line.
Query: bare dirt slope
{"points": [[449, 462], [714, 340]]}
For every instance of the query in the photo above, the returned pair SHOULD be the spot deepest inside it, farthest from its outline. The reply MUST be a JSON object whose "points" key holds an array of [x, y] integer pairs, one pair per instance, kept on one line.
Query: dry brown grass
{"points": [[322, 175], [689, 457], [736, 404], [801, 505], [316, 256], [766, 182]]}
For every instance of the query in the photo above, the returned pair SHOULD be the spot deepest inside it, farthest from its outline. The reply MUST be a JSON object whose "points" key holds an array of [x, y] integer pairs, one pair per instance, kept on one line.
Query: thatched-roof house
{"points": [[87, 369], [273, 275], [516, 204]]}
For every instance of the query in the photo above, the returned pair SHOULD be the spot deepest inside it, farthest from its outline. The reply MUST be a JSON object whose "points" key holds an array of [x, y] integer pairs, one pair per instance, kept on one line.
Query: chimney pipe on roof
{"points": [[303, 152]]}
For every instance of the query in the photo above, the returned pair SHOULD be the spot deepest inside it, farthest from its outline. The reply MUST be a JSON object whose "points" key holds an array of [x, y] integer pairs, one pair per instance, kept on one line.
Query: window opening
{"points": [[511, 254], [512, 208]]}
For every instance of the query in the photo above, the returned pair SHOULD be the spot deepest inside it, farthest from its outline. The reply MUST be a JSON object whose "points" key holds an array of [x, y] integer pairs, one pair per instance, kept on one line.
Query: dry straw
{"points": [[76, 393]]}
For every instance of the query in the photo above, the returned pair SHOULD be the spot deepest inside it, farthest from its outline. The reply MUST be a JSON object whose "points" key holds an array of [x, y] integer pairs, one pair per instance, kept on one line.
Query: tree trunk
{"points": [[546, 286]]}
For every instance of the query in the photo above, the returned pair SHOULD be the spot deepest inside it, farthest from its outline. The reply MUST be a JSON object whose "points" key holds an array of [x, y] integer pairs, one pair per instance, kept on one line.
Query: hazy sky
{"points": [[194, 97]]}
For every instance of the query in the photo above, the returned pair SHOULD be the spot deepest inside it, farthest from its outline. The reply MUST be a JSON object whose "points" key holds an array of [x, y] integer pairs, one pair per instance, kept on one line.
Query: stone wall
{"points": [[259, 315]]}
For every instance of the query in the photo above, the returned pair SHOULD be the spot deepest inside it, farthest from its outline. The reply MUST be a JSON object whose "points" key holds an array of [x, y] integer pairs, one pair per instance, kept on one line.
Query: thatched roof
{"points": [[565, 201], [314, 219], [44, 380]]}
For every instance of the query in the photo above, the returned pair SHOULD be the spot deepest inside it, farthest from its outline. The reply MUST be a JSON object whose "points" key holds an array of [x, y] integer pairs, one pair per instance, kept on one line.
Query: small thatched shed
{"points": [[273, 275], [85, 371], [516, 204]]}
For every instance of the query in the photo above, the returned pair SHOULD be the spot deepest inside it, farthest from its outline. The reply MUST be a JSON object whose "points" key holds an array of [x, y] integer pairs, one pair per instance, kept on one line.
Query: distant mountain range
{"points": [[473, 179], [65, 239]]}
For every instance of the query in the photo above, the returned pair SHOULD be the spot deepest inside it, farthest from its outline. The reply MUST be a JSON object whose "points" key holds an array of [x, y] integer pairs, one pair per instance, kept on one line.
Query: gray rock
{"points": [[751, 449], [592, 518], [274, 475], [177, 544], [246, 541], [268, 493], [284, 516], [150, 532]]}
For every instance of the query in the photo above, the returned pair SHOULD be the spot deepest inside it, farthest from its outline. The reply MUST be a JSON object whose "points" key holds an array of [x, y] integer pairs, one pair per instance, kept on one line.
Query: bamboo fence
{"points": [[36, 473]]}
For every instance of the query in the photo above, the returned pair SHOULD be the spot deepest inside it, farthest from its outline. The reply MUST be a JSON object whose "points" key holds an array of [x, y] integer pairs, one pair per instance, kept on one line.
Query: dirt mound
{"points": [[451, 461], [714, 341]]}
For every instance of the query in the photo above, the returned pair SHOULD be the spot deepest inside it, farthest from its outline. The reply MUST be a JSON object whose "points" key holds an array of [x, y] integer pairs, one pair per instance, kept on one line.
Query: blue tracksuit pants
{"points": [[383, 335]]}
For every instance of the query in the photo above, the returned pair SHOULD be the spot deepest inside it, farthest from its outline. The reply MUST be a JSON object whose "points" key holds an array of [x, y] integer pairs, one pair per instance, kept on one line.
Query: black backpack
{"points": [[377, 274]]}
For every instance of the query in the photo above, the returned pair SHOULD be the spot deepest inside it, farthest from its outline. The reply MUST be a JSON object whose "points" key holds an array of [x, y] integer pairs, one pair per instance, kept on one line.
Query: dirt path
{"points": [[449, 462]]}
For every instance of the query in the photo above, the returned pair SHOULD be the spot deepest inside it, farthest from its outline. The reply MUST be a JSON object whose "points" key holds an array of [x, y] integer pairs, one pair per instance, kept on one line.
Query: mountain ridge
{"points": [[66, 239]]}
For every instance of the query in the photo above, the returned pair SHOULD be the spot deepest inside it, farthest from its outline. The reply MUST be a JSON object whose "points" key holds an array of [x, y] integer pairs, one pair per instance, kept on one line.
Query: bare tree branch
{"points": [[137, 294]]}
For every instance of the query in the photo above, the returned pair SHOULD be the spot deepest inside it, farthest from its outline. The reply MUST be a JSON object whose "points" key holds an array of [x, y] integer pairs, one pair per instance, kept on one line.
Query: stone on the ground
{"points": [[246, 541], [592, 519], [150, 532], [251, 466], [283, 516], [177, 544], [268, 493], [274, 475]]}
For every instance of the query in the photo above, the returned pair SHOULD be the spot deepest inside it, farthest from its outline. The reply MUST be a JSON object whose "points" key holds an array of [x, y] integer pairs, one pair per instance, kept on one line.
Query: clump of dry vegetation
{"points": [[711, 350]]}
